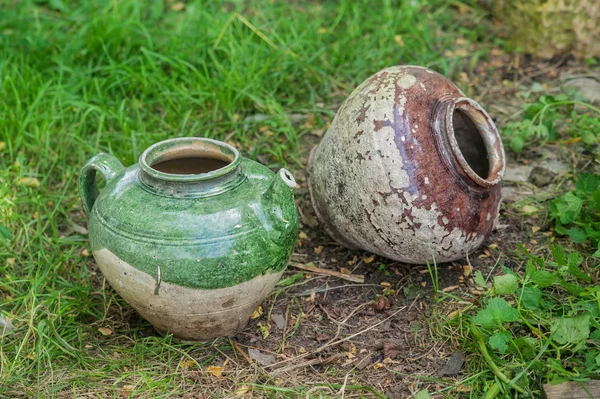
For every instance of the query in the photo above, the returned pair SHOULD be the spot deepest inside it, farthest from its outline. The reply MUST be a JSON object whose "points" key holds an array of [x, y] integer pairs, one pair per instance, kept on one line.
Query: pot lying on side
{"points": [[410, 169], [194, 237]]}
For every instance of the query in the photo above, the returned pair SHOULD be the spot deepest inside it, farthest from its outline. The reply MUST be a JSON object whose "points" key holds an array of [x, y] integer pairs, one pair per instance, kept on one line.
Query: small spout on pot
{"points": [[278, 199]]}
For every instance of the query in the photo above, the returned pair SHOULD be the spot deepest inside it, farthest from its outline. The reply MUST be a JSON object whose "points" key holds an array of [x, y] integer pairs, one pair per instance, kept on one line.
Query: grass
{"points": [[82, 77], [537, 321]]}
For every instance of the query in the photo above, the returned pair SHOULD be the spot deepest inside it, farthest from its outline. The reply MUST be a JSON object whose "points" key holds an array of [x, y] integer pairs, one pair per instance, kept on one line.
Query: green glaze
{"points": [[211, 230]]}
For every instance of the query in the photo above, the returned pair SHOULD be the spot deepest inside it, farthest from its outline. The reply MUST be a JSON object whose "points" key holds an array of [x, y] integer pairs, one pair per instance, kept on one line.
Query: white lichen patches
{"points": [[422, 86], [426, 180], [445, 220], [489, 216], [423, 197], [403, 138], [407, 81]]}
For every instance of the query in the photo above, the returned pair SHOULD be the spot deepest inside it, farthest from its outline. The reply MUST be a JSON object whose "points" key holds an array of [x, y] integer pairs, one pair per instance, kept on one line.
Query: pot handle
{"points": [[108, 166]]}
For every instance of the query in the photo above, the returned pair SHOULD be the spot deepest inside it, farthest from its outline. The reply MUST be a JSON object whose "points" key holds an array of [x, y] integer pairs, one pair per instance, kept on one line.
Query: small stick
{"points": [[332, 342], [307, 363], [355, 278], [241, 351]]}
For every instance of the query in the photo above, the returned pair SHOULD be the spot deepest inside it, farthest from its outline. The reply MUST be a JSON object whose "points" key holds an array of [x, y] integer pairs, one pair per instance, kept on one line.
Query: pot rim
{"points": [[489, 134], [185, 147]]}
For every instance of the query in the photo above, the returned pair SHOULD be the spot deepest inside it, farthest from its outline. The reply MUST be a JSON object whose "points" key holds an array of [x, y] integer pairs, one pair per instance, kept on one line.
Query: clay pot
{"points": [[194, 237], [410, 169]]}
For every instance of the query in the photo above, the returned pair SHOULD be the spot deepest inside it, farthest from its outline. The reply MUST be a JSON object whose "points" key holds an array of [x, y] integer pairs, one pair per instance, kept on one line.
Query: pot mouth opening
{"points": [[189, 159], [475, 142]]}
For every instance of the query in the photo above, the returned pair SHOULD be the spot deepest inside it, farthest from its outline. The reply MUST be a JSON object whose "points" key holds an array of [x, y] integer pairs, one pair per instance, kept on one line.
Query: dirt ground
{"points": [[323, 329]]}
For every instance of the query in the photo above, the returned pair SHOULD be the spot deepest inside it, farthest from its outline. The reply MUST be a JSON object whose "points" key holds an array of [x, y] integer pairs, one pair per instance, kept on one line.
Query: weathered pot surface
{"points": [[194, 236], [410, 169]]}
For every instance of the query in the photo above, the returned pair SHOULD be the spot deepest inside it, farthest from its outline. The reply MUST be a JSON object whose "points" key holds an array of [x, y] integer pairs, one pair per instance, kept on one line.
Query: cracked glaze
{"points": [[390, 178]]}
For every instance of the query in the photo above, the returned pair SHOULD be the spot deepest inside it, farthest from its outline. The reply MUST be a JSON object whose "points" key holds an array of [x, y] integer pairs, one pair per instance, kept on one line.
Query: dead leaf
{"points": [[10, 261], [363, 363], [279, 320], [265, 330], [263, 359], [85, 252], [186, 364], [126, 390], [257, 313], [529, 209], [29, 181], [319, 249], [105, 331], [178, 6], [345, 271], [399, 40], [216, 371], [241, 391], [302, 235], [368, 259], [381, 304], [390, 350], [2, 145], [322, 337], [5, 326], [385, 284], [451, 288]]}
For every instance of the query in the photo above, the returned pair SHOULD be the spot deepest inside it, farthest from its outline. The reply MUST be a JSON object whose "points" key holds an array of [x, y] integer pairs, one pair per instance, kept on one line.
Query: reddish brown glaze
{"points": [[396, 172]]}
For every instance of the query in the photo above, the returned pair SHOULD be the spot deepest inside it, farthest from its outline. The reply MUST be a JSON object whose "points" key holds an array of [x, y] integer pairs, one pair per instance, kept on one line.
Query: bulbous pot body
{"points": [[409, 169], [193, 253]]}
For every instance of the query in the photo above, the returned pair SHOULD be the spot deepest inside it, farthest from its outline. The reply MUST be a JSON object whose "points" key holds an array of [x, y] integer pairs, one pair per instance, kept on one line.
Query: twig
{"points": [[339, 341], [241, 351], [355, 278], [306, 364]]}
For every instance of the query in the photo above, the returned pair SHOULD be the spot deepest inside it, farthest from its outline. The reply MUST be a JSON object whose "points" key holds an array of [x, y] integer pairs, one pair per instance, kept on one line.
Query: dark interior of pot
{"points": [[189, 165], [192, 159], [471, 143]]}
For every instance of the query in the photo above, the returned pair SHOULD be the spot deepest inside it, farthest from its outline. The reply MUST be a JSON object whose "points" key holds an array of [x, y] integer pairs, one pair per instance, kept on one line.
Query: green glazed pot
{"points": [[194, 254]]}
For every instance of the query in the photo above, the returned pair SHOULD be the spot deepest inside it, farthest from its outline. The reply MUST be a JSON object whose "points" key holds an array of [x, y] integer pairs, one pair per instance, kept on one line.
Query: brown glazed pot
{"points": [[410, 169]]}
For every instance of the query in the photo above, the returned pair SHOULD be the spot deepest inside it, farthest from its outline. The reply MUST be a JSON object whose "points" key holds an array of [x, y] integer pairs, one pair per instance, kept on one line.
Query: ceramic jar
{"points": [[194, 237], [410, 169]]}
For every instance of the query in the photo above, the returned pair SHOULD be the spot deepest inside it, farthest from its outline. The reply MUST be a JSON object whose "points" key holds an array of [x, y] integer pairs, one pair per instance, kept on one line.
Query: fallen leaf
{"points": [[451, 288], [216, 371], [186, 364], [399, 40], [29, 181], [265, 330], [10, 261], [368, 259], [263, 359], [377, 366], [85, 252], [5, 326], [2, 144], [319, 249], [529, 209], [178, 6], [345, 271], [257, 313], [241, 390], [105, 331], [302, 235], [390, 350], [381, 304], [385, 284], [279, 320], [535, 229]]}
